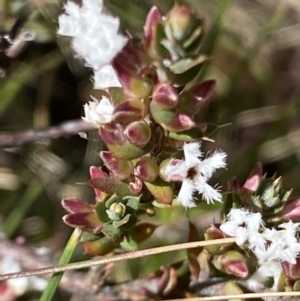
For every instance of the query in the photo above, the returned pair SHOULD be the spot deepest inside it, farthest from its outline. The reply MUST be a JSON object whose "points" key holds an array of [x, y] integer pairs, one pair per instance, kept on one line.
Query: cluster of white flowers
{"points": [[266, 244], [194, 174], [98, 112], [95, 38]]}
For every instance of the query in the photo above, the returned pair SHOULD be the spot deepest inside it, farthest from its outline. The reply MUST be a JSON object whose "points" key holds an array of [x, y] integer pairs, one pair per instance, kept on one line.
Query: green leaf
{"points": [[156, 50], [117, 95], [121, 222], [100, 210], [129, 245], [87, 236], [161, 116], [180, 67], [127, 151], [161, 190], [111, 232], [188, 135], [132, 202], [111, 186], [131, 222]]}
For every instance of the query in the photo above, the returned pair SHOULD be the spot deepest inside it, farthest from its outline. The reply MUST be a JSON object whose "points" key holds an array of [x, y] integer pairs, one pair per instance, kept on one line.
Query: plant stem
{"points": [[64, 259]]}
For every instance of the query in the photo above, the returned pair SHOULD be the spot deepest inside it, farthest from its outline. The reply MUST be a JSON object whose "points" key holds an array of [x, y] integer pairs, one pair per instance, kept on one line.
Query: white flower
{"points": [[106, 77], [280, 244], [266, 244], [95, 35], [243, 225], [194, 174], [98, 112]]}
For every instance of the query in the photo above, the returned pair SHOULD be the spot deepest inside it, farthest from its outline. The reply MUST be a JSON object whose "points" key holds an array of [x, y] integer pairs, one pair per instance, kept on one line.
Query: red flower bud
{"points": [[291, 209]]}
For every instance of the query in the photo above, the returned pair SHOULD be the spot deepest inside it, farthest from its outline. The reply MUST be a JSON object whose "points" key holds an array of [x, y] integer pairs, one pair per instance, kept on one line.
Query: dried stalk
{"points": [[68, 128]]}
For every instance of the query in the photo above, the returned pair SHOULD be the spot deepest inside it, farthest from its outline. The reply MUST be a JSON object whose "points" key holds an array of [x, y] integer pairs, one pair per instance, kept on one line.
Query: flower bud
{"points": [[181, 22], [291, 209], [165, 96], [146, 169], [111, 136], [191, 100], [163, 166], [292, 271], [271, 192], [254, 178], [129, 111], [180, 123], [213, 232], [98, 112], [154, 17], [119, 167], [116, 211], [171, 120], [135, 184], [138, 133], [231, 263], [133, 59], [154, 34], [97, 173], [99, 247], [136, 87]]}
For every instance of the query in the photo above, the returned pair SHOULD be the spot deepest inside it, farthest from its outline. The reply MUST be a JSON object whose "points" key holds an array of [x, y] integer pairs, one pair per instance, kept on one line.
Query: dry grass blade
{"points": [[126, 256], [242, 296]]}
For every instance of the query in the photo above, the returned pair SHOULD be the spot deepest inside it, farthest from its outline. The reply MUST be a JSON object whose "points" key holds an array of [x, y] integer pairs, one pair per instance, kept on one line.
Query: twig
{"points": [[72, 127], [241, 296], [126, 256]]}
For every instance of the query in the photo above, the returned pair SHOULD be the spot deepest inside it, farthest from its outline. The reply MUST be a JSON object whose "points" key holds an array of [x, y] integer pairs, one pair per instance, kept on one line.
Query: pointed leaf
{"points": [[162, 191], [74, 205], [189, 135], [254, 178], [123, 221], [129, 244], [132, 202], [84, 220], [100, 210], [203, 90], [186, 64], [111, 186], [111, 232], [127, 151]]}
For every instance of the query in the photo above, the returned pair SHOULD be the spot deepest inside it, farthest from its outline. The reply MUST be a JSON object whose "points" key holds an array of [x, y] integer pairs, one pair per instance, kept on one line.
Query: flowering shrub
{"points": [[147, 122]]}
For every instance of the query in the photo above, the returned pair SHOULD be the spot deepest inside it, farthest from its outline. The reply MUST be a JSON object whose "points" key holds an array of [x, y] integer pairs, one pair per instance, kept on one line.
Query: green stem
{"points": [[64, 259], [13, 220]]}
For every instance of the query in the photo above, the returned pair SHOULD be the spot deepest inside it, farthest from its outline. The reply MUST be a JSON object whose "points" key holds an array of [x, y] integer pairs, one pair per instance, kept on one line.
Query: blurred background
{"points": [[254, 47]]}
